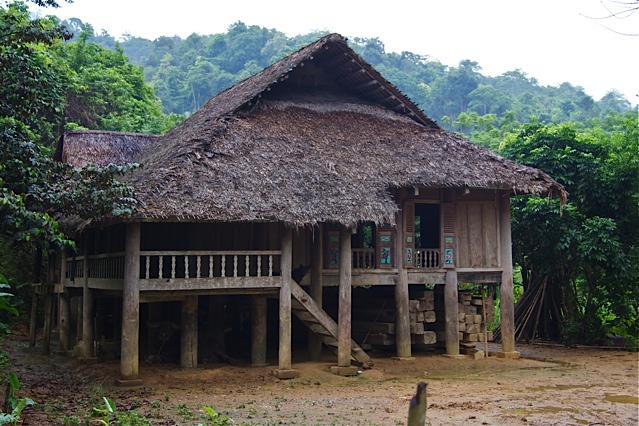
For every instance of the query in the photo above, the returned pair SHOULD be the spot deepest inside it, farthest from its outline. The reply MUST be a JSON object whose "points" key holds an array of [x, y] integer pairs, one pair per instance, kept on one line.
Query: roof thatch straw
{"points": [[100, 147], [315, 147]]}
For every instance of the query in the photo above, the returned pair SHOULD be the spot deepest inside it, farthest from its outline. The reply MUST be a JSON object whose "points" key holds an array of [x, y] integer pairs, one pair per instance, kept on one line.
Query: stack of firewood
{"points": [[374, 324]]}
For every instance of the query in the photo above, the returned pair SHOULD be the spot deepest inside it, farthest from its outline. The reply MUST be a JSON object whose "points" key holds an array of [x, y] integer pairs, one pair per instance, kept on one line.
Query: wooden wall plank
{"points": [[463, 242], [489, 229], [475, 235]]}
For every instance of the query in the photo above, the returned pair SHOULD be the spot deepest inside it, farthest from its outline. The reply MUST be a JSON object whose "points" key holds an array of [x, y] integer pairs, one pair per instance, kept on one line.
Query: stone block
{"points": [[286, 374], [345, 371], [509, 355]]}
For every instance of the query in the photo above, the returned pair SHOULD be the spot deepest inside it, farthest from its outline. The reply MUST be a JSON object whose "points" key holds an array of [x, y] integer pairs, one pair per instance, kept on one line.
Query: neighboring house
{"points": [[293, 166]]}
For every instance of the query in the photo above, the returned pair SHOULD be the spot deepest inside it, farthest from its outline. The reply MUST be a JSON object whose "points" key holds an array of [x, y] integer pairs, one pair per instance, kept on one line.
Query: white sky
{"points": [[551, 40]]}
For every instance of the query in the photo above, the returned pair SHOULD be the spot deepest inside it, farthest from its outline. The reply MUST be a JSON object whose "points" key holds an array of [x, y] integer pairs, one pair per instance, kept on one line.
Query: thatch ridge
{"points": [[249, 90]]}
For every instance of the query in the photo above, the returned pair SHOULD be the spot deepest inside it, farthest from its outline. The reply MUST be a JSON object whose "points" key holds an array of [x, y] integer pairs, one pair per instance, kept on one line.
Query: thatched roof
{"points": [[319, 136], [100, 147]]}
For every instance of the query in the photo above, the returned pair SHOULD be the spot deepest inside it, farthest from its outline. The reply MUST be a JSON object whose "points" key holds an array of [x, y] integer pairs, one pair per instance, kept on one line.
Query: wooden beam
{"points": [[210, 283], [331, 62], [176, 296], [365, 85], [344, 300]]}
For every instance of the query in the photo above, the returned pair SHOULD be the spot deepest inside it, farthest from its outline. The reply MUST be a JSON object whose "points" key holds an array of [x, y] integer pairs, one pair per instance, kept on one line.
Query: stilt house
{"points": [[315, 161]]}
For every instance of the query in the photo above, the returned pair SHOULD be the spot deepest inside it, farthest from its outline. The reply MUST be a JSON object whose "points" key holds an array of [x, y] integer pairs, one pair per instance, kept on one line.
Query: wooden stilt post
{"points": [[188, 333], [483, 317], [344, 309], [402, 315], [33, 322], [48, 319], [49, 303], [130, 308], [87, 306], [64, 314], [286, 263], [77, 312], [258, 330], [217, 318], [315, 289], [451, 311], [344, 312], [506, 299], [153, 316]]}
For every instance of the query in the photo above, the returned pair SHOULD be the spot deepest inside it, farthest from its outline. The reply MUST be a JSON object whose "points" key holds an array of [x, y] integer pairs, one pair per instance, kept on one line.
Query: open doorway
{"points": [[427, 235]]}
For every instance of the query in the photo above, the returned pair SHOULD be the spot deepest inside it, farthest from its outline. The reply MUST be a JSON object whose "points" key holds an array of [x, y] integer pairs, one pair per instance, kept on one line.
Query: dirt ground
{"points": [[550, 385]]}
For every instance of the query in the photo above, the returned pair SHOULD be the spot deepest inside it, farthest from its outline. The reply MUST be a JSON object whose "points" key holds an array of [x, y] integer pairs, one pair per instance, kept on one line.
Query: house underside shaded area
{"points": [[261, 293]]}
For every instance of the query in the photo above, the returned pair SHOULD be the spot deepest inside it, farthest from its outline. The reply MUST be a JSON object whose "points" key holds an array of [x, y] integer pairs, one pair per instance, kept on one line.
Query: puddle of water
{"points": [[621, 399], [541, 410], [557, 387]]}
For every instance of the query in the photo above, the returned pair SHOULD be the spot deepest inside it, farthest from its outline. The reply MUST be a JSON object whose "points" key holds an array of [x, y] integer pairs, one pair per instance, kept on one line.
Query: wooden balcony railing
{"points": [[180, 264], [427, 258], [208, 264], [102, 266], [363, 258]]}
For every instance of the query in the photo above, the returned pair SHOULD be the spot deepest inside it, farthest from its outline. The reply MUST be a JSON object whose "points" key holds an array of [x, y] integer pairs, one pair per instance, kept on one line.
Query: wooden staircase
{"points": [[320, 323]]}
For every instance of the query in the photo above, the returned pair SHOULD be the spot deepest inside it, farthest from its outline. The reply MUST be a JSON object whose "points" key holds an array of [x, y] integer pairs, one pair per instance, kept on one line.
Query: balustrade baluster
{"points": [[246, 265], [148, 266], [173, 266], [199, 265], [235, 265], [211, 264], [259, 265], [270, 265], [186, 266], [160, 266], [223, 265]]}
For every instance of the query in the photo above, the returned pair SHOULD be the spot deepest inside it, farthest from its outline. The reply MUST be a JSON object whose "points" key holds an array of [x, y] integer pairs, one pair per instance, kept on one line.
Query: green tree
{"points": [[586, 248], [34, 189], [107, 92]]}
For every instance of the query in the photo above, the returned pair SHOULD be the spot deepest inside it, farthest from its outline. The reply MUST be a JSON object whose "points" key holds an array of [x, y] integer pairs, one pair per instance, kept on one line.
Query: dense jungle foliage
{"points": [[62, 75]]}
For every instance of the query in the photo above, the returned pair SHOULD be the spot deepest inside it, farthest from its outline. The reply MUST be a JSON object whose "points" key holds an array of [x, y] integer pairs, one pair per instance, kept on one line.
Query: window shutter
{"points": [[331, 255], [409, 234], [448, 228], [384, 246]]}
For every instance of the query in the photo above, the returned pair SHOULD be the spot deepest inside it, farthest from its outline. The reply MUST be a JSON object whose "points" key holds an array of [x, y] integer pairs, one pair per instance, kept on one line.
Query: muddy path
{"points": [[550, 385]]}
